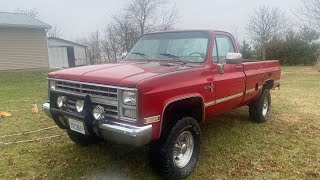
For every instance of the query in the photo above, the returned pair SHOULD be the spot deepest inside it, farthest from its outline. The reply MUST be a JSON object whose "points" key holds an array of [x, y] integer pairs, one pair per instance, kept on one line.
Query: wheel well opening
{"points": [[191, 107], [268, 84]]}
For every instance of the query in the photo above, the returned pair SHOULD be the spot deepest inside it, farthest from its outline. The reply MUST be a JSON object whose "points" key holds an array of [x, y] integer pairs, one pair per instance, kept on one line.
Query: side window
{"points": [[223, 46]]}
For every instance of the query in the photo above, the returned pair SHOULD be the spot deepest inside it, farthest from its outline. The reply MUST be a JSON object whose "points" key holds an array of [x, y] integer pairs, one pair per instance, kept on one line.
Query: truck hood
{"points": [[126, 74]]}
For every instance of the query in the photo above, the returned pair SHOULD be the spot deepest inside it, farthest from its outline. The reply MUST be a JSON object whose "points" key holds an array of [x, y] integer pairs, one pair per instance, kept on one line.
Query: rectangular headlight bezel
{"points": [[52, 84], [127, 96], [131, 106]]}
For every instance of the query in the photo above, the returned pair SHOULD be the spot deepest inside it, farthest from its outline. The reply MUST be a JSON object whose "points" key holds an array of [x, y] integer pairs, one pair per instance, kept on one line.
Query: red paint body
{"points": [[160, 85]]}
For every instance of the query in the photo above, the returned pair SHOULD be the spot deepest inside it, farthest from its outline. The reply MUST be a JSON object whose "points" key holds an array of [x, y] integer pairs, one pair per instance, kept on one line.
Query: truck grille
{"points": [[99, 91], [107, 96], [110, 110]]}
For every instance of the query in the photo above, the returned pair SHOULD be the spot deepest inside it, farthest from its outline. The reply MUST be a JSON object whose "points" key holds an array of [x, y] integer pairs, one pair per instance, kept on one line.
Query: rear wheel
{"points": [[180, 151], [83, 140], [260, 109]]}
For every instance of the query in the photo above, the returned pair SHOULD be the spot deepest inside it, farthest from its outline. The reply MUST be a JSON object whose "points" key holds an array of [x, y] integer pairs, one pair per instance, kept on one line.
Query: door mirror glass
{"points": [[234, 58]]}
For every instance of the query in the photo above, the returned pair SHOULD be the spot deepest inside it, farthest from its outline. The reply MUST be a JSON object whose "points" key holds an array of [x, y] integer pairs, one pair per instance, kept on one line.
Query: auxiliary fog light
{"points": [[98, 113], [79, 106], [61, 101]]}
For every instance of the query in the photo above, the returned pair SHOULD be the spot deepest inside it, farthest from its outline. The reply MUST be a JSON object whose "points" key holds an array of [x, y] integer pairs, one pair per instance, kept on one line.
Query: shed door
{"points": [[71, 58]]}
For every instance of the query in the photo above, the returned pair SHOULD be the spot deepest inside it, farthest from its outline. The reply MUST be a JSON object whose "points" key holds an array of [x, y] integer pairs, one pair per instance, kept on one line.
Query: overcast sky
{"points": [[76, 18]]}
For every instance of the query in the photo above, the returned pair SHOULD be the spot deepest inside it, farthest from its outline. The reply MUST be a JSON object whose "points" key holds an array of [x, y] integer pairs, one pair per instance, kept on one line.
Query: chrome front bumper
{"points": [[118, 132], [125, 134]]}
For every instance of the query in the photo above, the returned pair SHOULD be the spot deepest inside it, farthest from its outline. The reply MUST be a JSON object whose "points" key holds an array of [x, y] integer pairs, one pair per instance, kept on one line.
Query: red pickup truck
{"points": [[159, 93]]}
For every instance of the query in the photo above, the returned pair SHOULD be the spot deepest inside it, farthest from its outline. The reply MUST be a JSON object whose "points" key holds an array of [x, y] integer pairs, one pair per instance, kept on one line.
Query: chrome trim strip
{"points": [[250, 90], [211, 103], [93, 84], [228, 98]]}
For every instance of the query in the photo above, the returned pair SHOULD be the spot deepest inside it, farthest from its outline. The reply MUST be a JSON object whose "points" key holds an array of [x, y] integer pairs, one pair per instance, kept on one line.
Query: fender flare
{"points": [[179, 98]]}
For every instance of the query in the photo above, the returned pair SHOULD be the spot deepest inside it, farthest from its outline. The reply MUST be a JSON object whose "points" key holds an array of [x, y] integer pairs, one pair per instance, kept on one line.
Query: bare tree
{"points": [[55, 31], [127, 32], [139, 17], [29, 12], [309, 11], [308, 34], [120, 35], [264, 24], [93, 43], [148, 13], [235, 33], [170, 17], [111, 43]]}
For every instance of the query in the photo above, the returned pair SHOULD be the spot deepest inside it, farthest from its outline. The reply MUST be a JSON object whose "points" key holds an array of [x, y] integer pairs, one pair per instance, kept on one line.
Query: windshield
{"points": [[181, 46]]}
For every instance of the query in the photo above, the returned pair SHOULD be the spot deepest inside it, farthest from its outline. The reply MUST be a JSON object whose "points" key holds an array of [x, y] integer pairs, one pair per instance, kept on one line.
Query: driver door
{"points": [[229, 79]]}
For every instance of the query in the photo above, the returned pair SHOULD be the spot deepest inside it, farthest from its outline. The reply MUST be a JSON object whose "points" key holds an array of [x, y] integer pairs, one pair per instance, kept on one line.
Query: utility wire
{"points": [[29, 132], [32, 140]]}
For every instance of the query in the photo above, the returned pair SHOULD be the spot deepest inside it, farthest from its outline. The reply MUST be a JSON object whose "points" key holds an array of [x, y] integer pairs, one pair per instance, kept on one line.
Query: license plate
{"points": [[76, 126]]}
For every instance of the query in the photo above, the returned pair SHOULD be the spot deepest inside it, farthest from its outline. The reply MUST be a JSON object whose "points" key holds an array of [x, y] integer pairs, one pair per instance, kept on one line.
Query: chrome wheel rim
{"points": [[183, 149], [265, 106]]}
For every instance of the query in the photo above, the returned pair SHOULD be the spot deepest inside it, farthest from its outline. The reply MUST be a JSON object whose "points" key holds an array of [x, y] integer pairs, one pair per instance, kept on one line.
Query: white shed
{"points": [[65, 54], [23, 42]]}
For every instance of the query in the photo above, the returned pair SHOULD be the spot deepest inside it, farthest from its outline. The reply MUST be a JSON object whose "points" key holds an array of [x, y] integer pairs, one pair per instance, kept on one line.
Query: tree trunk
{"points": [[263, 53]]}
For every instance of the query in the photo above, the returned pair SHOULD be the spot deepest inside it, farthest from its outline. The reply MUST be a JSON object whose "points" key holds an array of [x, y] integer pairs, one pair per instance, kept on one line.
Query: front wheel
{"points": [[83, 140], [259, 110], [180, 151]]}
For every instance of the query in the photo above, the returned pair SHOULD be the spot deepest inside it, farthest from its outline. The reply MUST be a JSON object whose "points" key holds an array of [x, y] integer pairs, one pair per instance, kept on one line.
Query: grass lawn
{"points": [[286, 147]]}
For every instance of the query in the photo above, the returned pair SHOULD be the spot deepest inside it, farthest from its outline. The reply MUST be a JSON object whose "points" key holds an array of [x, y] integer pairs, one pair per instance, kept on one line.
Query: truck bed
{"points": [[259, 73]]}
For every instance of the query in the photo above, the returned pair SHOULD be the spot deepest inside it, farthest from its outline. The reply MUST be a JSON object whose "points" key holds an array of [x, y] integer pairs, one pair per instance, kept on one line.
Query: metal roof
{"points": [[20, 20], [66, 41]]}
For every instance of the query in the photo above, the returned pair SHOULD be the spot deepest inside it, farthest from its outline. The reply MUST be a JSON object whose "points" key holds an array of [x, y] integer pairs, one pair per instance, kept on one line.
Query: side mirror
{"points": [[234, 58], [220, 68], [124, 54]]}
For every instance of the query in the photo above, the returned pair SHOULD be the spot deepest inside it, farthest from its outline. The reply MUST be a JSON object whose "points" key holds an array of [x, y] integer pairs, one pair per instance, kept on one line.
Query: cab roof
{"points": [[190, 30]]}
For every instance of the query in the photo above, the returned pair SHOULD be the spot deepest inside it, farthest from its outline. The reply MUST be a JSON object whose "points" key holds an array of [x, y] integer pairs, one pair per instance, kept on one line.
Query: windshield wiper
{"points": [[141, 54], [174, 57], [170, 56]]}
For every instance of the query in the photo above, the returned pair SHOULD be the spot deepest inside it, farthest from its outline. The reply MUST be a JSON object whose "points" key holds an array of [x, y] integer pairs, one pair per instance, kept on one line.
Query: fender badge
{"points": [[151, 119]]}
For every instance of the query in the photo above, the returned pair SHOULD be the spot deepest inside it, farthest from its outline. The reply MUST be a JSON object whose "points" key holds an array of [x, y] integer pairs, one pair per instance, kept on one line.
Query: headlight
{"points": [[98, 113], [52, 85], [129, 98], [60, 101], [79, 105]]}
